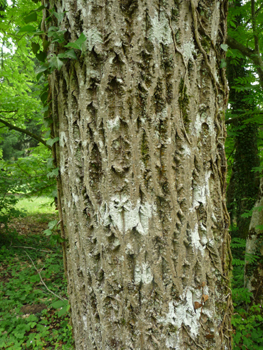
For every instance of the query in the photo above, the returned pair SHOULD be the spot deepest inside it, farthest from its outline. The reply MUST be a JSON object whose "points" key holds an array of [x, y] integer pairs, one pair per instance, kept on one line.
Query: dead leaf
{"points": [[205, 297], [197, 305], [209, 336]]}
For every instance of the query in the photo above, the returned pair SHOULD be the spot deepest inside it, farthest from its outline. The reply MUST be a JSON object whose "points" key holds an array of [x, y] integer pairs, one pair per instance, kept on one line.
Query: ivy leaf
{"points": [[53, 173], [44, 96], [39, 71], [78, 44], [51, 142], [41, 56], [224, 47], [55, 62], [52, 29], [32, 17], [59, 16], [45, 45], [56, 34], [68, 54], [223, 63], [35, 47]]}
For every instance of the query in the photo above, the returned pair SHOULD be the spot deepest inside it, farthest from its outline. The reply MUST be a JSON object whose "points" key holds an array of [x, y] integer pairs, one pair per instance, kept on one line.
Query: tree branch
{"points": [[24, 131], [243, 115], [249, 53]]}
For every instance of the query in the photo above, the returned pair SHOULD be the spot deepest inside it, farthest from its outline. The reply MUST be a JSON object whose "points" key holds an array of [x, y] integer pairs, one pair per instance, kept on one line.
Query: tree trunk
{"points": [[243, 186], [254, 249], [140, 118]]}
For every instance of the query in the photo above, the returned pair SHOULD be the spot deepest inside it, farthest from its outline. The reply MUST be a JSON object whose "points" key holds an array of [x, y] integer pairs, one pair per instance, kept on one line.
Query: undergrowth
{"points": [[247, 319], [31, 316]]}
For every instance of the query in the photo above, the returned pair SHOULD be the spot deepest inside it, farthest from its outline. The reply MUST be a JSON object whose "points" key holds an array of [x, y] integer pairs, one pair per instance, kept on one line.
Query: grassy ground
{"points": [[36, 205], [34, 311]]}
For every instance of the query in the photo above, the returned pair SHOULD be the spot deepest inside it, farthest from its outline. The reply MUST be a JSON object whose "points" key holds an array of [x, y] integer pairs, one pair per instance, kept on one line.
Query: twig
{"points": [[24, 131], [40, 250], [50, 291]]}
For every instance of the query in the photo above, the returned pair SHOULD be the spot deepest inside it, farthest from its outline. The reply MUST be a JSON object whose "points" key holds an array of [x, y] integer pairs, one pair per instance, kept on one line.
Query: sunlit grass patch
{"points": [[36, 205]]}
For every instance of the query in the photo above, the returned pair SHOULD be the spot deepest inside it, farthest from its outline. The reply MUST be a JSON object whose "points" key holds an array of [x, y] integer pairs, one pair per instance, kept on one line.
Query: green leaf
{"points": [[45, 45], [68, 54], [52, 224], [39, 8], [224, 47], [35, 47], [40, 70], [44, 96], [48, 232], [53, 173], [52, 29], [78, 44], [59, 303], [63, 311], [38, 32], [32, 17], [27, 29], [55, 62], [223, 63], [41, 56], [51, 142], [59, 16], [247, 214]]}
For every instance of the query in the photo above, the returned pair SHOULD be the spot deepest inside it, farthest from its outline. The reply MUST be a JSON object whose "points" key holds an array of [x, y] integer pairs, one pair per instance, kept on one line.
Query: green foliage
{"points": [[22, 295], [8, 199], [247, 318], [248, 327], [31, 173]]}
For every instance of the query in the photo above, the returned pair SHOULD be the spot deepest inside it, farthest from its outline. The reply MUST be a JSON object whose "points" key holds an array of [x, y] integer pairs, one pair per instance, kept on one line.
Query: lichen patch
{"points": [[183, 313], [160, 30], [123, 215], [143, 273]]}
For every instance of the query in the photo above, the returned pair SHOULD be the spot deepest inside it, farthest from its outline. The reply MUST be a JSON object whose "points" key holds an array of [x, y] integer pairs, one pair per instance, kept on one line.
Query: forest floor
{"points": [[34, 311]]}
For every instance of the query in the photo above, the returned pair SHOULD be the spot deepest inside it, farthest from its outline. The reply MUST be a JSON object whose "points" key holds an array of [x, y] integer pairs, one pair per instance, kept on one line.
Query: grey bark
{"points": [[142, 174], [254, 249]]}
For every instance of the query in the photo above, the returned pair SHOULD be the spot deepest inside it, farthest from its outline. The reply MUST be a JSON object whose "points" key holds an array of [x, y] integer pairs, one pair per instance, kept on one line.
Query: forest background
{"points": [[34, 312]]}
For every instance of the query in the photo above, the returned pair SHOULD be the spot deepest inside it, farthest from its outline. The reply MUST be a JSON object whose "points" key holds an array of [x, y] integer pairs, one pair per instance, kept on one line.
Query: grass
{"points": [[36, 205], [33, 315]]}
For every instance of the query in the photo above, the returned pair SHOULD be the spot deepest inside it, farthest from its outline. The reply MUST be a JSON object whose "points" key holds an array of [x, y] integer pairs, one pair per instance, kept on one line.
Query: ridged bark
{"points": [[140, 117]]}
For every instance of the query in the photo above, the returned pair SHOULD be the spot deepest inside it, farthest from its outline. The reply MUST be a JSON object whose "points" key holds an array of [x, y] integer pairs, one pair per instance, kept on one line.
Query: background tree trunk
{"points": [[140, 117], [254, 248], [243, 186]]}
